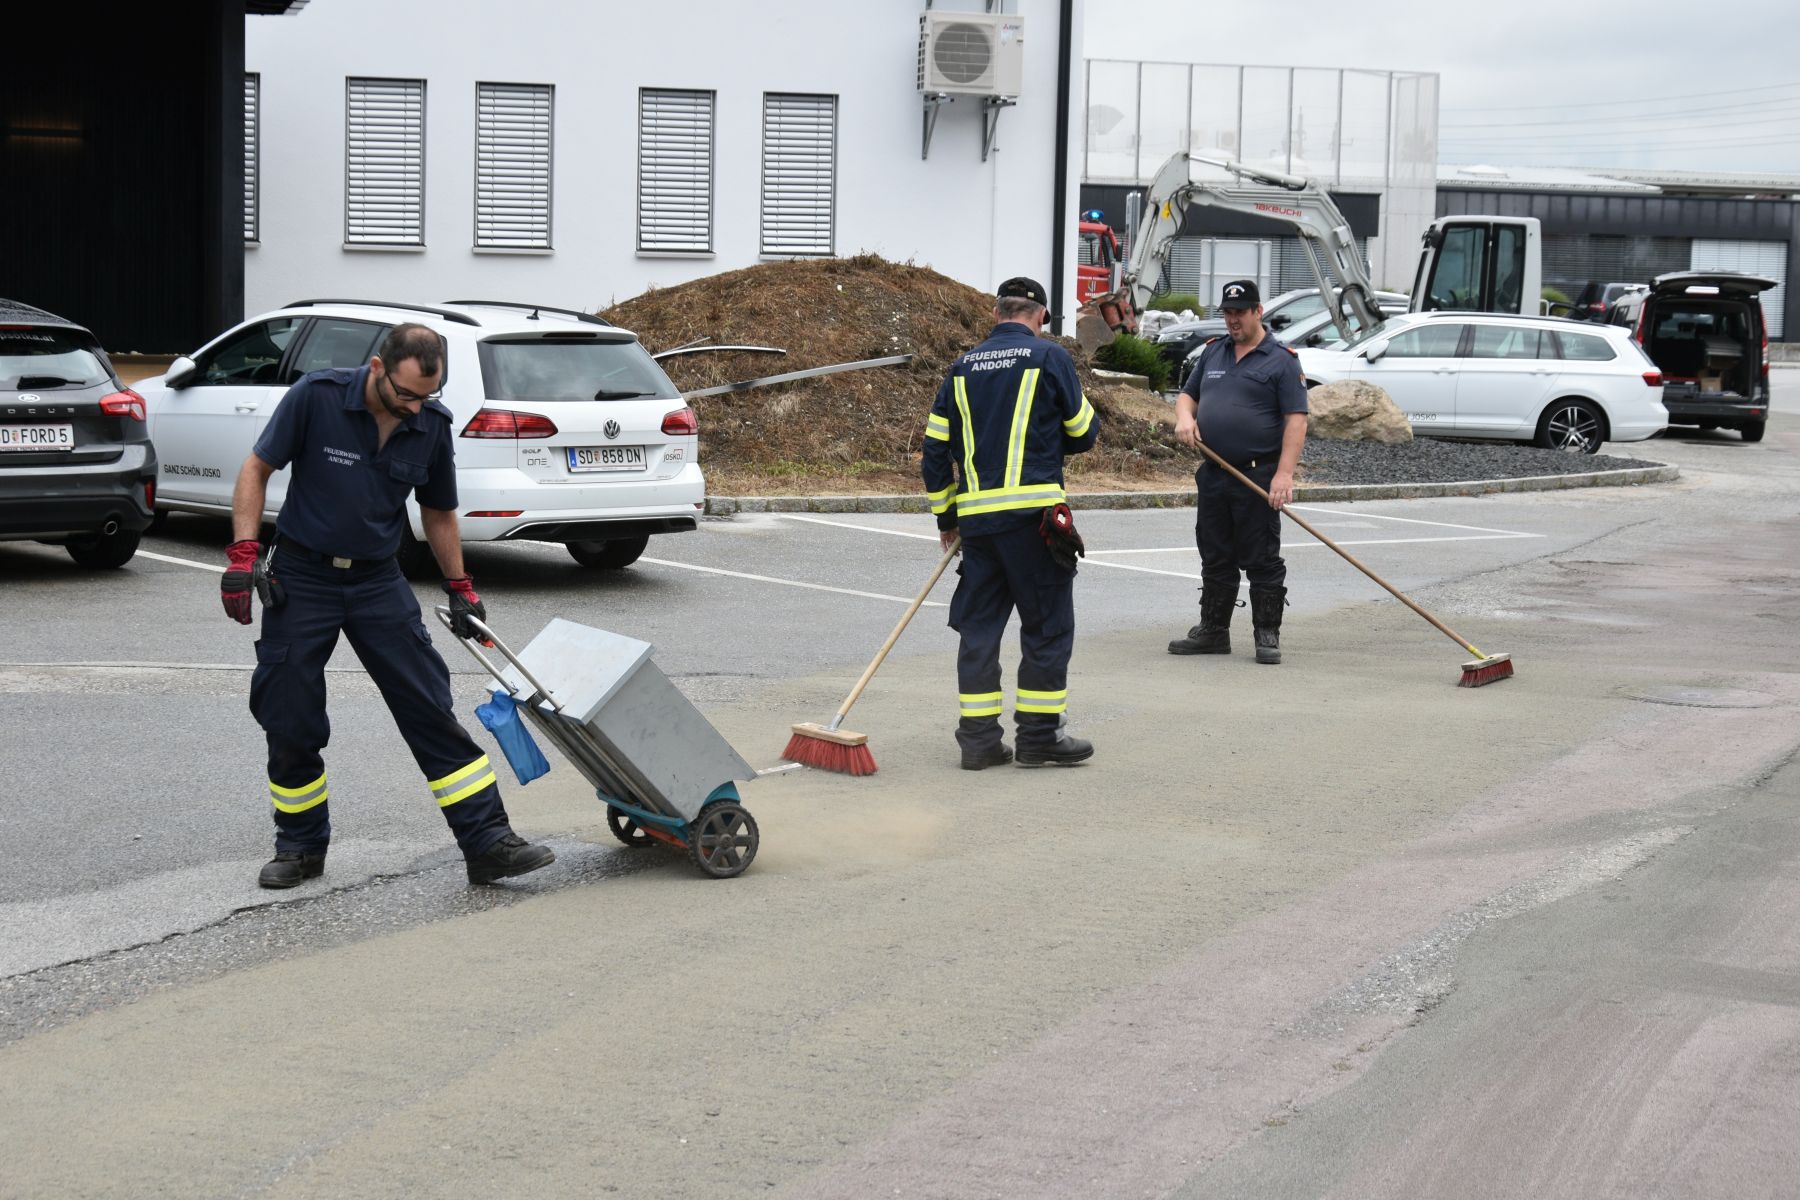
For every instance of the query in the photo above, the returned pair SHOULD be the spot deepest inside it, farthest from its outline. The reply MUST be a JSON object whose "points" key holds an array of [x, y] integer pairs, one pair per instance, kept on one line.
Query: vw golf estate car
{"points": [[1558, 383], [76, 464], [566, 429]]}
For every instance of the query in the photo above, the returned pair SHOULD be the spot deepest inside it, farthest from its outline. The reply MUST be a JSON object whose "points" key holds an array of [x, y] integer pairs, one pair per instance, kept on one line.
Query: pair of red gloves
{"points": [[249, 571]]}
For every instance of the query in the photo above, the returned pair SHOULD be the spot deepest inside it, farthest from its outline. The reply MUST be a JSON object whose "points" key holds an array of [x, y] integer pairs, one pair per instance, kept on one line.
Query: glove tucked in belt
{"points": [[248, 571], [1058, 530]]}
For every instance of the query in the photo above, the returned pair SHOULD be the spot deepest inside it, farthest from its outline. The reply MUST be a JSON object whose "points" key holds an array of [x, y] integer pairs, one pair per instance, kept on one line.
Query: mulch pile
{"points": [[857, 431]]}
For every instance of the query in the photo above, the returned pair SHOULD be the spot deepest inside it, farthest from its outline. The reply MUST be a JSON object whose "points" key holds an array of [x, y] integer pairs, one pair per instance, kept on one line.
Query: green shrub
{"points": [[1135, 356], [1554, 296], [1176, 301]]}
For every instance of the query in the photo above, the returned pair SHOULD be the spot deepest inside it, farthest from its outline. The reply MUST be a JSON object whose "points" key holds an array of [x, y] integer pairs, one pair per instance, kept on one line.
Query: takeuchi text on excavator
{"points": [[1466, 263]]}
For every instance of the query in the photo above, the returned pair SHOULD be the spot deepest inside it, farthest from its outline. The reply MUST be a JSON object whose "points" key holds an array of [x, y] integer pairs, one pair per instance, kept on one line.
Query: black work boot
{"points": [[1213, 634], [1265, 614], [511, 855], [1065, 751], [997, 755], [289, 867]]}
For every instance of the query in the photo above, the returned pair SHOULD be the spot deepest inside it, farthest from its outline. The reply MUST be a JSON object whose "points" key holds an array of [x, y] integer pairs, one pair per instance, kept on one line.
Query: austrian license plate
{"points": [[37, 437], [606, 458]]}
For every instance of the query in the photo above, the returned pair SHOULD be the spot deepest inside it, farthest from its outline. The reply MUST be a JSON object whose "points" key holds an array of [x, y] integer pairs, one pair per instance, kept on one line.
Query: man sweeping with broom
{"points": [[1007, 414]]}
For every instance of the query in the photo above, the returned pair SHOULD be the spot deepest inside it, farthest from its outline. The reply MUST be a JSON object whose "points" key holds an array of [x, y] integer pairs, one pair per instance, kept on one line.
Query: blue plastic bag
{"points": [[501, 717]]}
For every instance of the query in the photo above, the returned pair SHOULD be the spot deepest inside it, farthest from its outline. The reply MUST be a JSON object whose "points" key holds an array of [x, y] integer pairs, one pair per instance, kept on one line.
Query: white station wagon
{"points": [[1561, 384], [566, 429]]}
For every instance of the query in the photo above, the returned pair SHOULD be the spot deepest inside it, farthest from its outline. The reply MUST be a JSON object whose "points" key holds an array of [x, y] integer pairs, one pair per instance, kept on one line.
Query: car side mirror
{"points": [[1280, 321], [181, 372], [1375, 349]]}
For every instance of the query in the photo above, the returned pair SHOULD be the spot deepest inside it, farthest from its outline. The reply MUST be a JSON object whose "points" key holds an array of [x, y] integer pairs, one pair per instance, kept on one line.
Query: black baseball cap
{"points": [[1240, 293], [1021, 288]]}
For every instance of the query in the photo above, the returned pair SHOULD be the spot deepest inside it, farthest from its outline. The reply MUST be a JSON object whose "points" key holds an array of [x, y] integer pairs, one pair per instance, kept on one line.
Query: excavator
{"points": [[1467, 263]]}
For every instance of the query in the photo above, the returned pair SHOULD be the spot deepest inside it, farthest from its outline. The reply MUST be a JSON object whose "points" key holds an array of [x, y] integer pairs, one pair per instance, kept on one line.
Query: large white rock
{"points": [[1355, 411]]}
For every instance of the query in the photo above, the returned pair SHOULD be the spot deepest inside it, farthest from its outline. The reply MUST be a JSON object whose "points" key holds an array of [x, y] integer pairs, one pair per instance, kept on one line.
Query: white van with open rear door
{"points": [[1708, 333]]}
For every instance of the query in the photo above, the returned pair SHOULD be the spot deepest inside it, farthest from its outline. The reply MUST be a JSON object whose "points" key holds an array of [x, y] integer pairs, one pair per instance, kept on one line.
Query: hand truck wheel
{"points": [[722, 840], [625, 827]]}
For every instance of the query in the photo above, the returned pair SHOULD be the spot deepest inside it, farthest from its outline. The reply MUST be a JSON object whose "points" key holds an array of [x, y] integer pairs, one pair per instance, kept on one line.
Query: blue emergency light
{"points": [[1094, 215]]}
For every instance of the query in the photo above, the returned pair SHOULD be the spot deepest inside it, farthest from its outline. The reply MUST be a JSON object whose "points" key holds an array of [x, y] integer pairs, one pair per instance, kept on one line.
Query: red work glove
{"points": [[1058, 530], [464, 603], [234, 589]]}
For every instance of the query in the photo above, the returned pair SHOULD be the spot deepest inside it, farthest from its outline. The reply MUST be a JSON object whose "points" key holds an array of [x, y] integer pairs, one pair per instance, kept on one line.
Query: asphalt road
{"points": [[1336, 928]]}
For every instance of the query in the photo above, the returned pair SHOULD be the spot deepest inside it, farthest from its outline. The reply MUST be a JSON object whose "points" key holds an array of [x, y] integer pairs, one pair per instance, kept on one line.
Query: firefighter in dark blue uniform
{"points": [[1008, 412], [1246, 399], [359, 442]]}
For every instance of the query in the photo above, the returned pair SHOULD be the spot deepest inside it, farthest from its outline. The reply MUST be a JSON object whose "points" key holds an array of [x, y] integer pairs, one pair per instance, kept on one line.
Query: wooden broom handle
{"points": [[869, 672], [1299, 520]]}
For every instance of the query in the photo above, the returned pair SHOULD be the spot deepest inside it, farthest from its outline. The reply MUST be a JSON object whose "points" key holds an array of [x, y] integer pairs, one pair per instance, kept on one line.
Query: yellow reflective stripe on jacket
{"points": [[979, 704], [971, 480], [941, 499], [462, 783], [1021, 422], [298, 800], [1027, 701], [937, 427], [1032, 495], [1078, 424]]}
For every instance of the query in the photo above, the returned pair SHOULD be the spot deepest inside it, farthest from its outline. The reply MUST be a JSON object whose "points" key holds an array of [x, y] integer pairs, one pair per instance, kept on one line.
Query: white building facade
{"points": [[577, 154]]}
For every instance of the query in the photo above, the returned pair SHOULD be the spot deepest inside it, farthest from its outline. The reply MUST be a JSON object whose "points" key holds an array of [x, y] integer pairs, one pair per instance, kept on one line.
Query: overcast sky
{"points": [[1632, 83]]}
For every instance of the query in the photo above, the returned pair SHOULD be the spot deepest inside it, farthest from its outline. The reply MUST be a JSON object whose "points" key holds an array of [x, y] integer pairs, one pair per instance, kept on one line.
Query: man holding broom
{"points": [[1006, 415]]}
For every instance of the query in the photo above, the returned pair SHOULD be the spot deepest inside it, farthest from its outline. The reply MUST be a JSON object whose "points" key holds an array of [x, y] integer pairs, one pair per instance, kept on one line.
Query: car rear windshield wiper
{"points": [[45, 381], [603, 394]]}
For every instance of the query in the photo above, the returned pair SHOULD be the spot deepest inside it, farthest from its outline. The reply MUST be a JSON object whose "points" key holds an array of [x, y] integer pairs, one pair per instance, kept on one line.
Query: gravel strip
{"points": [[1433, 460]]}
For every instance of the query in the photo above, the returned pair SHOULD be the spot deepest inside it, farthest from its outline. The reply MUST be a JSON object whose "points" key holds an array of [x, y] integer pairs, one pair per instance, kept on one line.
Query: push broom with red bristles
{"points": [[1485, 668], [829, 748]]}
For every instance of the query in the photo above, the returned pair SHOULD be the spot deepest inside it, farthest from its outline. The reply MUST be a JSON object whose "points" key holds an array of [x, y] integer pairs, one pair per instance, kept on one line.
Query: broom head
{"points": [[1487, 670], [825, 749]]}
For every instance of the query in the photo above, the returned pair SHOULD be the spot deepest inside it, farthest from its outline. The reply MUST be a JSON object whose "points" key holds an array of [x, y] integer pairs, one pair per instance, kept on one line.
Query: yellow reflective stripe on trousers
{"points": [[1021, 423], [937, 427], [298, 800], [1025, 700], [971, 480], [1078, 424], [462, 783], [1032, 495], [979, 704]]}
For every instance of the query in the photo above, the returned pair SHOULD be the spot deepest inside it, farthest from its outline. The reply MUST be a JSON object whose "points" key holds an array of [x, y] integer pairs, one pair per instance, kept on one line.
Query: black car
{"points": [[76, 465], [1705, 329]]}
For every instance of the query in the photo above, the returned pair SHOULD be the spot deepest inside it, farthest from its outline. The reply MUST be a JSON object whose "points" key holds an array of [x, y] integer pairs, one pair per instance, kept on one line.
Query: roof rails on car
{"points": [[585, 318], [447, 314]]}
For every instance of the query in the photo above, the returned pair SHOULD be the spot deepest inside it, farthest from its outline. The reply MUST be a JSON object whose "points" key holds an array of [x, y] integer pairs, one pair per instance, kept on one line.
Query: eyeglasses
{"points": [[404, 396]]}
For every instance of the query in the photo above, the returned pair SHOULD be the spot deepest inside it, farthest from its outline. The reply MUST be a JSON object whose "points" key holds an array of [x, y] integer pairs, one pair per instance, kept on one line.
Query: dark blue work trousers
{"points": [[1236, 530], [372, 605], [1001, 572]]}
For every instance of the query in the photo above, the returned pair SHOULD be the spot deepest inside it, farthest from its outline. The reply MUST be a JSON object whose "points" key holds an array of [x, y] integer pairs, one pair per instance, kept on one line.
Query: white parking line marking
{"points": [[182, 562], [930, 537], [1298, 545], [1407, 520], [816, 587]]}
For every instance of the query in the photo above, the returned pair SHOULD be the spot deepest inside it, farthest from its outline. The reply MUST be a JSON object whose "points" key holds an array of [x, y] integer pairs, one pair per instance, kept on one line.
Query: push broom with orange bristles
{"points": [[1484, 669], [829, 748]]}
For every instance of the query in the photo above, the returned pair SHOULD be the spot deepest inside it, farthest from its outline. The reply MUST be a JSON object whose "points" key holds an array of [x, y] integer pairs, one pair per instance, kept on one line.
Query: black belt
{"points": [[1250, 465], [290, 546]]}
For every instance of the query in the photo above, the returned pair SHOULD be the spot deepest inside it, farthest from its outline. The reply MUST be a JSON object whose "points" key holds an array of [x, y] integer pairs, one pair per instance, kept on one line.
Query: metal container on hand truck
{"points": [[665, 774]]}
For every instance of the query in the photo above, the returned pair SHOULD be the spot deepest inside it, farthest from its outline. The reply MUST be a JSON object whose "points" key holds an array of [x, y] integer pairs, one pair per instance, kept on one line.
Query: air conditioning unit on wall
{"points": [[971, 54]]}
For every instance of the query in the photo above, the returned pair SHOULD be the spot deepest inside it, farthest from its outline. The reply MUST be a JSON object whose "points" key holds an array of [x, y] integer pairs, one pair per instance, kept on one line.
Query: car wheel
{"points": [[608, 555], [415, 558], [1753, 430], [1573, 425], [104, 551]]}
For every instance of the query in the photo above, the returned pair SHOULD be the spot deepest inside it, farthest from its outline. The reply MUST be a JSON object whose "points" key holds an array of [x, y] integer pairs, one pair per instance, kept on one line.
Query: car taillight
{"points": [[1653, 378], [1642, 321], [126, 403], [1765, 369], [681, 422], [150, 494], [504, 423]]}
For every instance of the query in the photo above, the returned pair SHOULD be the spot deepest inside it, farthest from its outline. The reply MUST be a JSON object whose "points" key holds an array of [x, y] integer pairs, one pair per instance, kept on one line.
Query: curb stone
{"points": [[725, 506]]}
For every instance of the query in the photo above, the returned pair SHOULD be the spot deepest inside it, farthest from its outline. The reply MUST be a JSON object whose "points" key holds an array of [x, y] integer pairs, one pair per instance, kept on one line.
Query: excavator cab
{"points": [[1480, 264]]}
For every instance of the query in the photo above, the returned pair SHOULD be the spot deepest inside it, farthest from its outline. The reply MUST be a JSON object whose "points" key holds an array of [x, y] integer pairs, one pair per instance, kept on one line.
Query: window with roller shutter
{"points": [[384, 162], [252, 155], [799, 179], [513, 134], [675, 171]]}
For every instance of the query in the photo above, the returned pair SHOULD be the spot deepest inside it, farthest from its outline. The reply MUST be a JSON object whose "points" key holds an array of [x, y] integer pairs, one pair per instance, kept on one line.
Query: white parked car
{"points": [[566, 429], [1561, 384]]}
